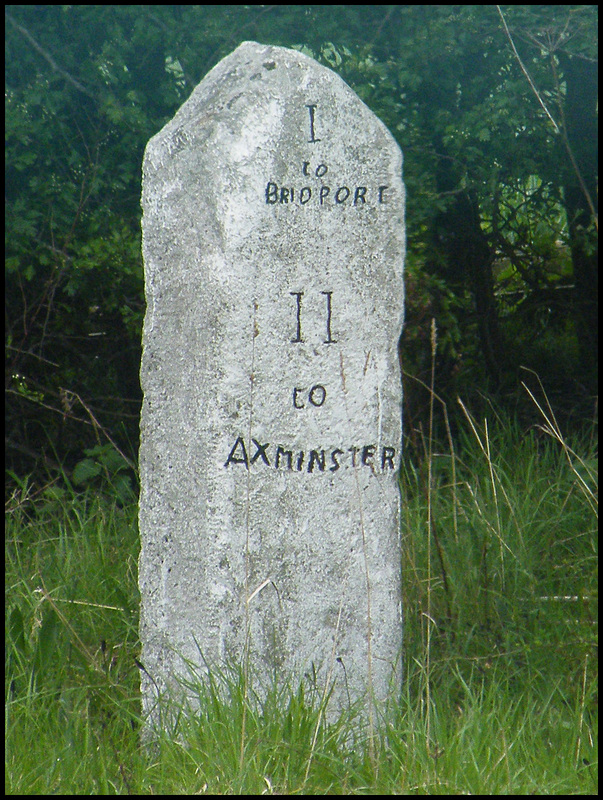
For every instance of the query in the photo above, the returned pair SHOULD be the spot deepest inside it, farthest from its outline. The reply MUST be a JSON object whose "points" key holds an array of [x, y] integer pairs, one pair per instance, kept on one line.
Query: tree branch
{"points": [[47, 57], [560, 129], [526, 73]]}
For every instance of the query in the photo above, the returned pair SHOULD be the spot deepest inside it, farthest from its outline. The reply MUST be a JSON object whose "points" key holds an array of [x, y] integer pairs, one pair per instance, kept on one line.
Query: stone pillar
{"points": [[273, 243]]}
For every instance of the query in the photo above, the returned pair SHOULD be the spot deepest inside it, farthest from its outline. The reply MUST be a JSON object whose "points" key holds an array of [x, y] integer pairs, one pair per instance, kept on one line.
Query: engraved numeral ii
{"points": [[298, 335]]}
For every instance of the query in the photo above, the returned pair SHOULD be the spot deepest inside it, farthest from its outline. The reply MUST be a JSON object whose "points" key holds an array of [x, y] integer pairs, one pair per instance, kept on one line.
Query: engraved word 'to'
{"points": [[320, 170], [316, 396]]}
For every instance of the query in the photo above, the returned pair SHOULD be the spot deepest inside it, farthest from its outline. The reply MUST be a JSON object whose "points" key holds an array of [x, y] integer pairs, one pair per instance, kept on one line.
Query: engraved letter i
{"points": [[312, 136]]}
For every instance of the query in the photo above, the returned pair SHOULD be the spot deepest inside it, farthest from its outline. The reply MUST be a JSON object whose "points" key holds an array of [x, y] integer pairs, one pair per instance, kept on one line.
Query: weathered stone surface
{"points": [[273, 243]]}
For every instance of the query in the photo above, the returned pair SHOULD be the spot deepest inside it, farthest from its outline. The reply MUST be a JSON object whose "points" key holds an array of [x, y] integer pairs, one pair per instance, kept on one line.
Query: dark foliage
{"points": [[497, 120]]}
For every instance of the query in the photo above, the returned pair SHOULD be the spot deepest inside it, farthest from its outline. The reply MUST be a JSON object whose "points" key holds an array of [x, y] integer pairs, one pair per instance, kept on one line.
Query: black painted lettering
{"points": [[260, 452], [241, 458], [336, 463], [280, 453], [318, 395], [368, 451], [387, 457], [342, 194], [305, 166], [311, 109], [316, 458], [321, 170], [287, 195], [298, 337], [359, 195], [329, 339], [271, 193], [297, 404]]}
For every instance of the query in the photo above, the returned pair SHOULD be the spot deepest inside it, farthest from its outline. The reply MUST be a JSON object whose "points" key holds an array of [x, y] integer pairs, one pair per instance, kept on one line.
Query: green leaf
{"points": [[46, 642], [85, 470], [16, 631]]}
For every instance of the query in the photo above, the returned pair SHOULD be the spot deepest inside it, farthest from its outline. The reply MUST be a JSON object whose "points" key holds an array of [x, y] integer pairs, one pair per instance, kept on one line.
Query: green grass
{"points": [[500, 604]]}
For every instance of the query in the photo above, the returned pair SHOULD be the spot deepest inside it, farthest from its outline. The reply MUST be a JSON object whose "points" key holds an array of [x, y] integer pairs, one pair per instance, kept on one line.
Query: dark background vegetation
{"points": [[495, 109]]}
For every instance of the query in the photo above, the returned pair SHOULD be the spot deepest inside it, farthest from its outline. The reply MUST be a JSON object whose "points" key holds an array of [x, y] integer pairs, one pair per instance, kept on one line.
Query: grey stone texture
{"points": [[273, 243]]}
